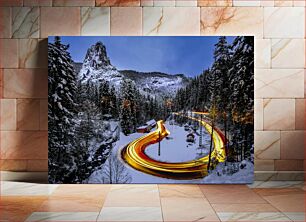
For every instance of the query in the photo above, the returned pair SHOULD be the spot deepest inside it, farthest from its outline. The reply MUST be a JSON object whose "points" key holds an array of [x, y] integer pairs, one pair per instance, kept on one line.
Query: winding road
{"points": [[134, 154]]}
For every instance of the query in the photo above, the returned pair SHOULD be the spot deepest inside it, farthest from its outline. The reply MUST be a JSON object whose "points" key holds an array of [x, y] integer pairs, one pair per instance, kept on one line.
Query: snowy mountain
{"points": [[97, 67]]}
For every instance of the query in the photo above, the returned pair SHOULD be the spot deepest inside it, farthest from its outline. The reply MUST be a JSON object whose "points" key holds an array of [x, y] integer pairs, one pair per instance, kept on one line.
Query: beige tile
{"points": [[279, 83], [5, 22], [126, 21], [300, 114], [43, 114], [258, 113], [186, 3], [262, 53], [63, 216], [13, 165], [118, 3], [220, 3], [299, 3], [284, 49], [278, 19], [37, 2], [284, 3], [169, 20], [264, 165], [8, 114], [230, 194], [249, 3], [279, 114], [9, 53], [25, 83], [305, 83], [292, 144], [1, 83], [52, 17], [267, 144], [289, 165], [33, 53], [133, 196], [232, 21], [263, 207], [180, 191], [37, 165], [27, 114], [73, 2], [95, 21], [146, 2], [25, 22], [130, 214], [187, 209], [5, 3], [162, 3], [253, 216], [267, 3], [23, 144]]}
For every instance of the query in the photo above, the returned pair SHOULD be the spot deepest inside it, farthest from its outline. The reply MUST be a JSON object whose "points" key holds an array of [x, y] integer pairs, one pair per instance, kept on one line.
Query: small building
{"points": [[146, 128]]}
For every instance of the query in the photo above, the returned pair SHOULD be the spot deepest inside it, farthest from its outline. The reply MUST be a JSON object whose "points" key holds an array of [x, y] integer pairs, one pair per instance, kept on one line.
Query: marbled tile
{"points": [[253, 216], [262, 53], [263, 207], [220, 3], [5, 22], [37, 165], [25, 83], [8, 53], [258, 114], [264, 165], [73, 3], [289, 165], [279, 83], [186, 3], [52, 17], [9, 188], [266, 3], [299, 3], [25, 22], [292, 144], [305, 82], [282, 49], [23, 144], [295, 216], [230, 194], [1, 83], [267, 144], [178, 190], [146, 2], [91, 191], [27, 114], [18, 208], [37, 2], [33, 53], [285, 200], [8, 114], [237, 3], [300, 114], [163, 3], [117, 2], [130, 214], [284, 3], [279, 175], [13, 165], [232, 21], [63, 216], [126, 21], [169, 20], [95, 21], [277, 184], [278, 19], [279, 114], [43, 114], [187, 209], [5, 3], [133, 196]]}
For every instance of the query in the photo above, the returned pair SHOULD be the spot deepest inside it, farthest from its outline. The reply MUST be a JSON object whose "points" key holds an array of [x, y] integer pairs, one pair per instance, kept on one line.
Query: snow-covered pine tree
{"points": [[61, 107]]}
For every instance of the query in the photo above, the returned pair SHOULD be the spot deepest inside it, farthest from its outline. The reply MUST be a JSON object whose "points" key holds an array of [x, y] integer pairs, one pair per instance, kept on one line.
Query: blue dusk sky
{"points": [[173, 55]]}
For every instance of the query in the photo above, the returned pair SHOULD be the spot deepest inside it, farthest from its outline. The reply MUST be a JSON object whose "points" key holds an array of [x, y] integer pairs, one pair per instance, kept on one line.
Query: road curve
{"points": [[134, 155]]}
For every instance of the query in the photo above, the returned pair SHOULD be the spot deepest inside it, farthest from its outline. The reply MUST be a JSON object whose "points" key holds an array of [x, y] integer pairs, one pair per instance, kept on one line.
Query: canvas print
{"points": [[151, 109]]}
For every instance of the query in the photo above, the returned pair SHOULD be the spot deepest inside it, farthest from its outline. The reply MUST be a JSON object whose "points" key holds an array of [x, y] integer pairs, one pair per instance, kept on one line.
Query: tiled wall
{"points": [[279, 27]]}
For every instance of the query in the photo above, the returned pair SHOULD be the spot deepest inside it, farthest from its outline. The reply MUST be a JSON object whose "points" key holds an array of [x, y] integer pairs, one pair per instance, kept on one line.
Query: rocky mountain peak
{"points": [[96, 57]]}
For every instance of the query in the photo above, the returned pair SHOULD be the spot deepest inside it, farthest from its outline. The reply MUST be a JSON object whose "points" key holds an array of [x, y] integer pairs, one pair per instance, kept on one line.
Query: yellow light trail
{"points": [[134, 155]]}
